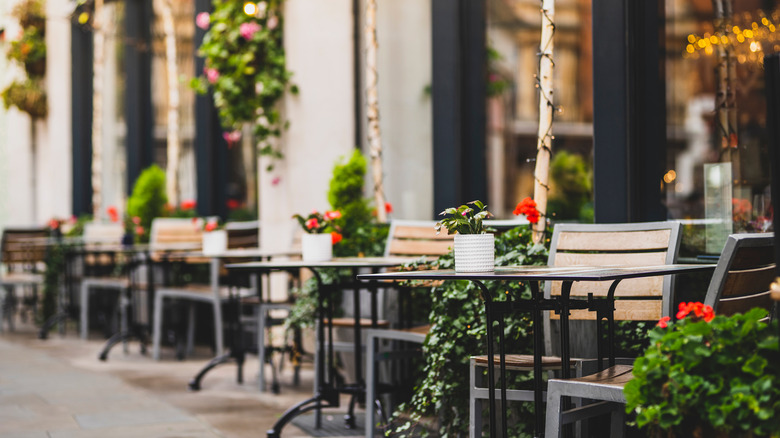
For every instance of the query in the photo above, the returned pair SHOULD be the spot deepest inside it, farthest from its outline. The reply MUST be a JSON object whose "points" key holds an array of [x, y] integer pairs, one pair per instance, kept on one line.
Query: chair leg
{"points": [[190, 349], [84, 310], [218, 328], [553, 420], [262, 313], [157, 326], [370, 384], [618, 422], [475, 414]]}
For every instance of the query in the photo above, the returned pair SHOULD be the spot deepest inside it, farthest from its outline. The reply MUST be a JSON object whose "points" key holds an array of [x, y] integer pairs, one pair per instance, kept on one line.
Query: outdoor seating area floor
{"points": [[57, 388]]}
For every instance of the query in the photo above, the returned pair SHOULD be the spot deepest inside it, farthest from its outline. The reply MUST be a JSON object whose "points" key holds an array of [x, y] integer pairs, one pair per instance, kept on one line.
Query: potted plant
{"points": [[707, 375], [474, 246], [215, 239], [320, 235]]}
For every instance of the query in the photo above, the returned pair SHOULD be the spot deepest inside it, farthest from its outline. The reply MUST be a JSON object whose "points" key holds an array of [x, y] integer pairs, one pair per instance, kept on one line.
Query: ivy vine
{"points": [[245, 68]]}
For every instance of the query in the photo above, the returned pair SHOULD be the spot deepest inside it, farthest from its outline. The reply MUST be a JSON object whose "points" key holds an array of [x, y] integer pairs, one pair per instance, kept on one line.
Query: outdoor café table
{"points": [[237, 350], [495, 311], [326, 389]]}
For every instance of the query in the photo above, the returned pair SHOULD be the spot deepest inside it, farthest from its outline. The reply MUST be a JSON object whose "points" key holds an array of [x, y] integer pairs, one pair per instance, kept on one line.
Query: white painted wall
{"points": [[318, 41], [53, 140], [405, 109]]}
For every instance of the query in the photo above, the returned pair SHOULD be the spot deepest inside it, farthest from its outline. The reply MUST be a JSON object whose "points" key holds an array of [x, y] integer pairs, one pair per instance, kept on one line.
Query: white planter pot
{"points": [[474, 253], [214, 242], [317, 247]]}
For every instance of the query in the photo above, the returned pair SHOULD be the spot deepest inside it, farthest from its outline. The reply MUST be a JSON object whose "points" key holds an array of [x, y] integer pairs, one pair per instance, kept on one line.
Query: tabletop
{"points": [[338, 262], [561, 273]]}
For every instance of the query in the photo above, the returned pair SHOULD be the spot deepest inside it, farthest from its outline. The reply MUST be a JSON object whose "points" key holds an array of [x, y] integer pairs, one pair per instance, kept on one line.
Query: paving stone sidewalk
{"points": [[44, 397]]}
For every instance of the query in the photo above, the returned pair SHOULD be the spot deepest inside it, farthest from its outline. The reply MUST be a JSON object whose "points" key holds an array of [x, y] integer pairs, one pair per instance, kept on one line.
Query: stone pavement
{"points": [[57, 388]]}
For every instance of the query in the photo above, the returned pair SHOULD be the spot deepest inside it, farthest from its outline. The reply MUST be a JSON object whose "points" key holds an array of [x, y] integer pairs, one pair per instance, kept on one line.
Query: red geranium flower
{"points": [[113, 214], [211, 225], [527, 207], [335, 237], [188, 204], [330, 215], [312, 223], [232, 204], [663, 322], [388, 207]]}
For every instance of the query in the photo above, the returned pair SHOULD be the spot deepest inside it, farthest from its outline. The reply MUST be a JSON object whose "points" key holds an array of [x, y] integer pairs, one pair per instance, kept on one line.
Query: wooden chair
{"points": [[740, 282], [638, 299], [409, 239], [98, 267], [23, 261], [169, 236]]}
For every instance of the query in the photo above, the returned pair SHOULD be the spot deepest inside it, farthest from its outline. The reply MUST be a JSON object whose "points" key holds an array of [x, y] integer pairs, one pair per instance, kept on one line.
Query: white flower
{"points": [[262, 7], [262, 121], [259, 87]]}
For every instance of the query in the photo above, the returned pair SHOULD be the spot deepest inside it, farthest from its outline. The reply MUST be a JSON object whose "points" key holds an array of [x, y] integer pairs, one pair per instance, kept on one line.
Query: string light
{"points": [[747, 41], [250, 8]]}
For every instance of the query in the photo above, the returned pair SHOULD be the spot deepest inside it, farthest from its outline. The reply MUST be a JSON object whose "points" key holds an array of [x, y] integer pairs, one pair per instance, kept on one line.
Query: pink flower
{"points": [[330, 215], [202, 20], [54, 224], [276, 180], [249, 29], [231, 137], [212, 74], [139, 230], [272, 22], [136, 220], [312, 223]]}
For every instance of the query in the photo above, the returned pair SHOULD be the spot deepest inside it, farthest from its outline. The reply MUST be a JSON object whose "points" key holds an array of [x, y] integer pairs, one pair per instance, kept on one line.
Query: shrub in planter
{"points": [[148, 200], [708, 376]]}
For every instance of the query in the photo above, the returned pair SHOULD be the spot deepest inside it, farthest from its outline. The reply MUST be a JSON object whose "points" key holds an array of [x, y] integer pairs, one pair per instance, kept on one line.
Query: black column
{"points": [[138, 90], [81, 122], [772, 78], [629, 110], [210, 148], [458, 91]]}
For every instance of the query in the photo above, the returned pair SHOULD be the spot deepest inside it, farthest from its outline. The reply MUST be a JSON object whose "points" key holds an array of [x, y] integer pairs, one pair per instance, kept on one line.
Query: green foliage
{"points": [[709, 379], [464, 219], [148, 199], [246, 70], [362, 235], [458, 331], [571, 188], [29, 50]]}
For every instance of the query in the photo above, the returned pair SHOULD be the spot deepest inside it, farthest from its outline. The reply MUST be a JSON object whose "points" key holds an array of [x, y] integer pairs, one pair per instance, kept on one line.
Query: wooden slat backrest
{"points": [[416, 238], [419, 238], [650, 243], [243, 234], [18, 248], [175, 234], [744, 272]]}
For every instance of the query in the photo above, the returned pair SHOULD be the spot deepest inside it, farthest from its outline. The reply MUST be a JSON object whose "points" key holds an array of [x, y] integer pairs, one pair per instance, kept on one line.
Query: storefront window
{"points": [[717, 179]]}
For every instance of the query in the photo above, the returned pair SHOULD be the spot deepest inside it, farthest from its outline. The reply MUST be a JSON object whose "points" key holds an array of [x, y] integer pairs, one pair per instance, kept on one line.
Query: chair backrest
{"points": [[647, 243], [176, 233], [418, 237], [18, 250], [245, 234], [98, 233], [744, 272], [641, 299]]}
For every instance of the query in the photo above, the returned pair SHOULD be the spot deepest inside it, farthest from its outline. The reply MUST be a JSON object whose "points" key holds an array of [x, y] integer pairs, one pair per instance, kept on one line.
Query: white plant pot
{"points": [[317, 247], [214, 242], [474, 253]]}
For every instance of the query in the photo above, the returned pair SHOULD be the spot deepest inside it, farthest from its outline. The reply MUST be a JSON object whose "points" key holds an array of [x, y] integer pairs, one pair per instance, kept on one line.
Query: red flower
{"points": [[136, 220], [188, 204], [663, 322], [211, 225], [330, 215], [232, 204], [312, 223], [335, 237], [139, 230], [700, 311], [527, 207], [113, 214], [54, 224], [388, 207]]}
